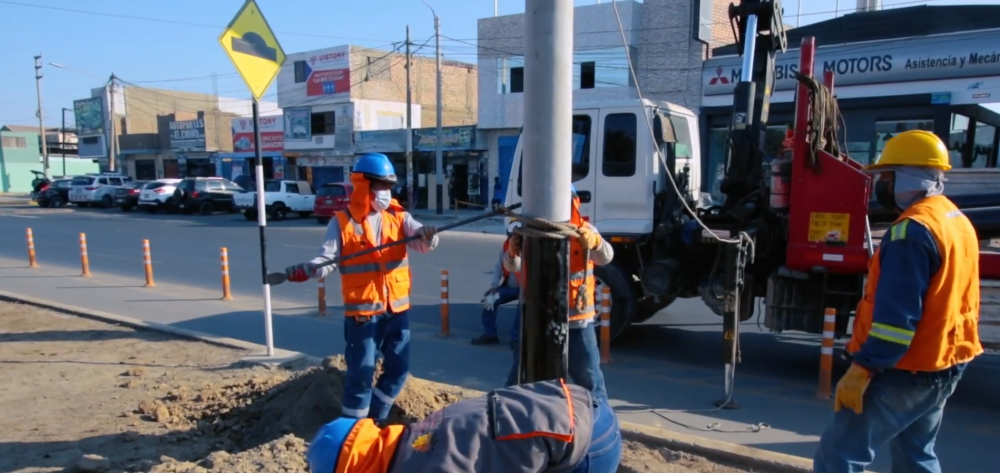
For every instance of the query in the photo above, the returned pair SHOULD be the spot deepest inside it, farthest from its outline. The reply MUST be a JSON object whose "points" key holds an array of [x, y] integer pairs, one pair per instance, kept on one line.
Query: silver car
{"points": [[96, 189]]}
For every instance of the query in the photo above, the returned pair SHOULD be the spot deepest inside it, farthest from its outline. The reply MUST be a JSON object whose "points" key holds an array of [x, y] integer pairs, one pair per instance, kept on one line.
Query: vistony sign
{"points": [[940, 57]]}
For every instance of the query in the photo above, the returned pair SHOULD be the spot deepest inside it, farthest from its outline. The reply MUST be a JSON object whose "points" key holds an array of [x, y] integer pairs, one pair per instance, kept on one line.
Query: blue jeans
{"points": [[388, 334], [900, 408], [584, 359], [605, 442], [507, 294]]}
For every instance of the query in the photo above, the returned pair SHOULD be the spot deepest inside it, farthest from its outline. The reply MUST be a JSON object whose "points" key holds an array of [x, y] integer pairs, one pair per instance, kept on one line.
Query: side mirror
{"points": [[663, 130], [584, 196]]}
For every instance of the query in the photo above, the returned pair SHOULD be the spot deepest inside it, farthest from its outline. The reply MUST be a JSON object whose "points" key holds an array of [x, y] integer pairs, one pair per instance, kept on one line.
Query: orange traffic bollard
{"points": [[32, 262], [224, 256], [321, 296], [147, 261], [445, 321], [826, 355], [605, 324], [83, 256]]}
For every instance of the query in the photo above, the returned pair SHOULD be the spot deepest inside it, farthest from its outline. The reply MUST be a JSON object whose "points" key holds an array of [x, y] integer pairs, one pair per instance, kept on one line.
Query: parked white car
{"points": [[281, 197], [92, 189], [157, 195]]}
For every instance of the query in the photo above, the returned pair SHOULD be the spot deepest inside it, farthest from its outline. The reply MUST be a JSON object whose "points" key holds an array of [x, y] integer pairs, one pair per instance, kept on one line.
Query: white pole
{"points": [[548, 114], [798, 15], [261, 226]]}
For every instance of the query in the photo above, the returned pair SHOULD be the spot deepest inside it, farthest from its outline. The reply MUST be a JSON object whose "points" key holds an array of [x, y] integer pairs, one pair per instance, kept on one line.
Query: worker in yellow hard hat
{"points": [[914, 330]]}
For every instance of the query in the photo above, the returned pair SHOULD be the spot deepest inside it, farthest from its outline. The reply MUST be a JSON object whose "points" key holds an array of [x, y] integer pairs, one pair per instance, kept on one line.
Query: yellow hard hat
{"points": [[914, 148]]}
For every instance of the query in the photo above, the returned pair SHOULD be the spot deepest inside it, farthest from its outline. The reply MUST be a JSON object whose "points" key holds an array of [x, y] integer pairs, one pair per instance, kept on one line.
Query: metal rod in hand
{"points": [[84, 261], [261, 225], [32, 261], [147, 262], [278, 278]]}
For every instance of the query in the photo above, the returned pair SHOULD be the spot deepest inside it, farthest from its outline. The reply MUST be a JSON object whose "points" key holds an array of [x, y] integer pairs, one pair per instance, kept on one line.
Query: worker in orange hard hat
{"points": [[375, 287], [586, 251], [914, 330]]}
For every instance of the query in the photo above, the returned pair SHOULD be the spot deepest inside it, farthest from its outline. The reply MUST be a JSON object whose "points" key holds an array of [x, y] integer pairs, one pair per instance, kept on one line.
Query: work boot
{"points": [[486, 340]]}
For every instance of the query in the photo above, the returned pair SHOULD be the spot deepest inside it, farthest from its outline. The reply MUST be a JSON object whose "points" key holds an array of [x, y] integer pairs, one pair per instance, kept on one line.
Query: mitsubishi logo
{"points": [[718, 79]]}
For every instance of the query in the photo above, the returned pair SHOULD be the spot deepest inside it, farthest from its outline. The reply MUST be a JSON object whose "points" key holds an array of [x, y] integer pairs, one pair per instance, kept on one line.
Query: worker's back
{"points": [[530, 428]]}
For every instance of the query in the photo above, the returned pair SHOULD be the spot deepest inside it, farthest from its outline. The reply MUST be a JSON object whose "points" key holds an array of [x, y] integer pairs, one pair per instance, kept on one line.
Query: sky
{"points": [[173, 44]]}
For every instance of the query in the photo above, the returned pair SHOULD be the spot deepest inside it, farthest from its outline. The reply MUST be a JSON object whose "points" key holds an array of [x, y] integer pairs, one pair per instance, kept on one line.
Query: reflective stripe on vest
{"points": [[374, 283], [948, 331]]}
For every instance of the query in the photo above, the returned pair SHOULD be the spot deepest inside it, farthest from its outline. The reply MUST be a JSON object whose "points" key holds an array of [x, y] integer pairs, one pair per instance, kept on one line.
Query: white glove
{"points": [[489, 300]]}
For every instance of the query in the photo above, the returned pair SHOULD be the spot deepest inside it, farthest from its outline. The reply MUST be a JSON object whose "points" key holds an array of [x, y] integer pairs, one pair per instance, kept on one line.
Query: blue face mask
{"points": [[382, 200]]}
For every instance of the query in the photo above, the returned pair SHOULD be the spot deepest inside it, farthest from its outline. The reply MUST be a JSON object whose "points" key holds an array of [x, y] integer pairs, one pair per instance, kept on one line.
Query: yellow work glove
{"points": [[851, 389], [588, 238]]}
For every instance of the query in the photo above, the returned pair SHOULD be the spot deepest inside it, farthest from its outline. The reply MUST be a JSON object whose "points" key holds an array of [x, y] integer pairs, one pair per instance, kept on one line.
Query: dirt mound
{"points": [[284, 455], [253, 412]]}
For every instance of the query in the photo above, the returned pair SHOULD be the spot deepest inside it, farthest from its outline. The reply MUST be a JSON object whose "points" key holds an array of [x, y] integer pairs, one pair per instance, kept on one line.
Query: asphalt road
{"points": [[671, 362]]}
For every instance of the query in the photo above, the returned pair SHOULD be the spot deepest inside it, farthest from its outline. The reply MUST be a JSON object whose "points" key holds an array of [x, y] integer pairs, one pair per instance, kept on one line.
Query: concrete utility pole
{"points": [[411, 203], [41, 117], [113, 141], [62, 138], [439, 152], [547, 177]]}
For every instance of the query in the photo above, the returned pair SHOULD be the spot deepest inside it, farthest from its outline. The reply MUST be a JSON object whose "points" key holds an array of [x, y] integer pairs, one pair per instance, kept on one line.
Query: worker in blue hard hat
{"points": [[375, 287], [585, 251], [542, 427]]}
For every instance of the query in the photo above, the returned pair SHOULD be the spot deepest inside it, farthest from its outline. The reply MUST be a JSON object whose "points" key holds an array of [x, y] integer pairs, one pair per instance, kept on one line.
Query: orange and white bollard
{"points": [[224, 257], [445, 321], [147, 261], [84, 261], [321, 296], [32, 262], [605, 324], [823, 391]]}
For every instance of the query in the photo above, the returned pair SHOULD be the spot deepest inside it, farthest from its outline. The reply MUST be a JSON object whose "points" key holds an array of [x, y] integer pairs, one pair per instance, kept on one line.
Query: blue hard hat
{"points": [[376, 166], [324, 451]]}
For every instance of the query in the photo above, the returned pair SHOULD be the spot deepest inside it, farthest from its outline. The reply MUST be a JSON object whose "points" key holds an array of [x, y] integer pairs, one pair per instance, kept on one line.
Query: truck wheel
{"points": [[206, 208], [278, 211], [250, 215], [623, 298]]}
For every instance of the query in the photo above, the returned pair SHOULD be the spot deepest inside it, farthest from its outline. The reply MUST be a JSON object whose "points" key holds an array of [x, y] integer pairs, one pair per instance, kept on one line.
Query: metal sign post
{"points": [[254, 50]]}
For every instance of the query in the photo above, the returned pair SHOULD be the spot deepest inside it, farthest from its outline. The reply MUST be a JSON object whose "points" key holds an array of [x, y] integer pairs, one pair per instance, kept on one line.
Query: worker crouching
{"points": [[586, 251], [916, 328], [505, 288], [547, 426], [375, 287]]}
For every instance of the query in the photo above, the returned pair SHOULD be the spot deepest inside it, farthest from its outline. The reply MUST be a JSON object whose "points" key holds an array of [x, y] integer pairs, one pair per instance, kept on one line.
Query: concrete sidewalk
{"points": [[775, 414]]}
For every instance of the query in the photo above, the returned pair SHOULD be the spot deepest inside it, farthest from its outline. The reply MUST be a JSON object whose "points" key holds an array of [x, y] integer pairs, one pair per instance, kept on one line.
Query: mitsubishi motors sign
{"points": [[975, 54], [272, 134]]}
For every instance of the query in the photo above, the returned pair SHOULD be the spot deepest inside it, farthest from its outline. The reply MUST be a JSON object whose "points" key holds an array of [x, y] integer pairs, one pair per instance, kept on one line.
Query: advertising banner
{"points": [[380, 141], [959, 56], [187, 135], [453, 138], [328, 73], [89, 115], [297, 124], [272, 134]]}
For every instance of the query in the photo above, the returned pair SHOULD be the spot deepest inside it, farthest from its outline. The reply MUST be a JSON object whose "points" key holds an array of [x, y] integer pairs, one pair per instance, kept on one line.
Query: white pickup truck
{"points": [[281, 197]]}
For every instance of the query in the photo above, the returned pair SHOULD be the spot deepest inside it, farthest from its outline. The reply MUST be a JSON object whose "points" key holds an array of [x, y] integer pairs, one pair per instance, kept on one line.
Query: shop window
{"points": [[13, 142], [983, 154], [588, 75], [300, 72], [619, 145], [581, 150], [322, 123]]}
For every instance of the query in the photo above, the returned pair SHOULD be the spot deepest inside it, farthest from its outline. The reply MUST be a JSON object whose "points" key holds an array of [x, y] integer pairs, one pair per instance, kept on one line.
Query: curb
{"points": [[744, 456], [289, 360], [754, 458]]}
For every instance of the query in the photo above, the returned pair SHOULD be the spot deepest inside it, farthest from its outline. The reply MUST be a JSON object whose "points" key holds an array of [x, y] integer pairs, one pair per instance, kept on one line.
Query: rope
{"points": [[823, 123]]}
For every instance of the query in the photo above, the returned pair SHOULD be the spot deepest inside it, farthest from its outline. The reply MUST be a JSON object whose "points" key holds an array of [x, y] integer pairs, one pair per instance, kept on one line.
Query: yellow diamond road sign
{"points": [[253, 48]]}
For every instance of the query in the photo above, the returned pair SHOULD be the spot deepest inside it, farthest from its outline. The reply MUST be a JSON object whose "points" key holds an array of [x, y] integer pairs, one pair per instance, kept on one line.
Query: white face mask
{"points": [[381, 200]]}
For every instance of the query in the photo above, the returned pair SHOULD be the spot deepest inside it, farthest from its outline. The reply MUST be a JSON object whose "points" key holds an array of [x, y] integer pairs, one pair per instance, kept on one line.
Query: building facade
{"points": [[21, 157], [893, 71], [329, 96], [666, 40]]}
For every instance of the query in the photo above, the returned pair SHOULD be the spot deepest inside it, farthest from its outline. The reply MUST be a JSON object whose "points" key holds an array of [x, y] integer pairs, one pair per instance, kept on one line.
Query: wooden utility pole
{"points": [[41, 118], [411, 202], [113, 142]]}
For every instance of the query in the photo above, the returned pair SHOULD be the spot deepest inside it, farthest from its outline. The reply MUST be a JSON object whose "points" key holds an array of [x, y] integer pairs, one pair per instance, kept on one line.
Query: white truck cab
{"points": [[620, 150]]}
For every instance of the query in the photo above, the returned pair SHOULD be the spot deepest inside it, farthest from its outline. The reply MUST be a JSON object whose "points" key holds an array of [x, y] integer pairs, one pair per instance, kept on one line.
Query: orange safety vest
{"points": [[948, 331], [581, 273], [363, 278], [368, 449]]}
